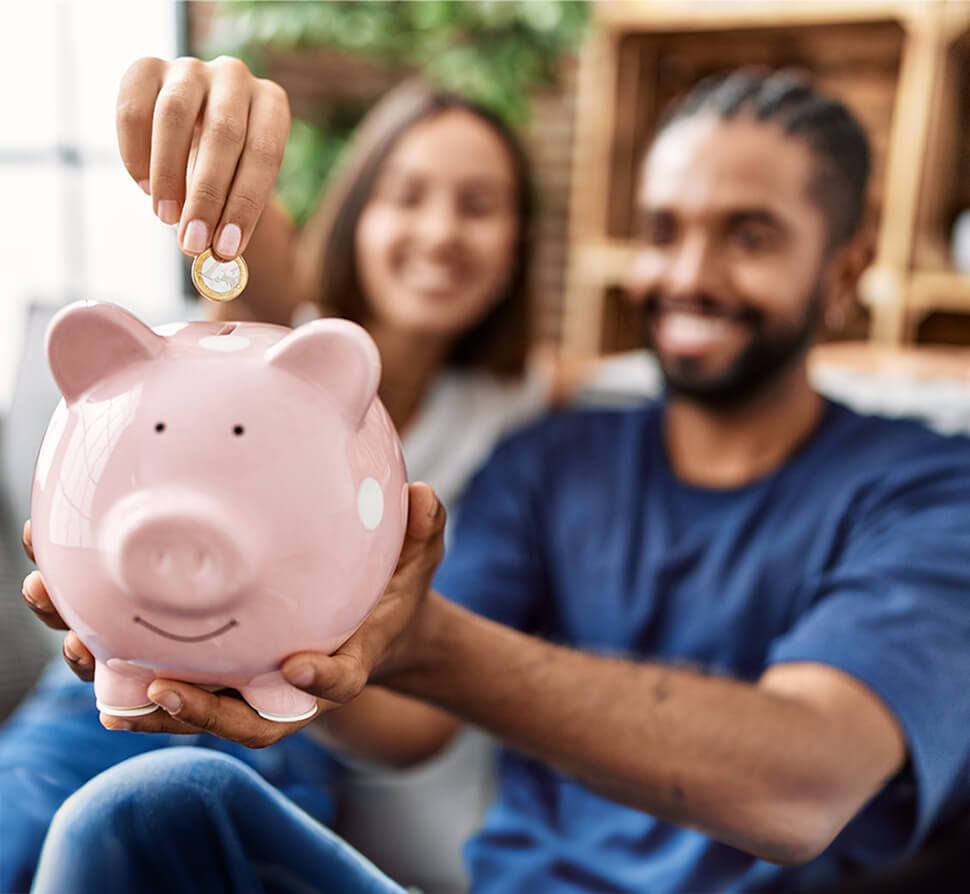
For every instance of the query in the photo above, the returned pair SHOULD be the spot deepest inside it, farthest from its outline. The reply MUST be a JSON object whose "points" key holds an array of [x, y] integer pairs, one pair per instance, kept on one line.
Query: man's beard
{"points": [[763, 362]]}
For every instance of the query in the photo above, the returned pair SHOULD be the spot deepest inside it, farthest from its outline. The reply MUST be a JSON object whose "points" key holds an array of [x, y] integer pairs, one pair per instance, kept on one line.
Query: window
{"points": [[73, 223]]}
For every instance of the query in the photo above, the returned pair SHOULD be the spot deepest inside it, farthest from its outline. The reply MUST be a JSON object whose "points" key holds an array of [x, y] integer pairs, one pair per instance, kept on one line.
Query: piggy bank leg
{"points": [[122, 694], [272, 697]]}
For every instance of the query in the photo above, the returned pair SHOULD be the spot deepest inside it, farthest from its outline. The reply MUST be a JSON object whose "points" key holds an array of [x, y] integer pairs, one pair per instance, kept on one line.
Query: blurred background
{"points": [[583, 82]]}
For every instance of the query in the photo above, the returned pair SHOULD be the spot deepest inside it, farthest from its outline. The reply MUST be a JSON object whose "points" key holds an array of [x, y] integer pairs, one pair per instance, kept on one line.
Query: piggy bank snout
{"points": [[181, 560]]}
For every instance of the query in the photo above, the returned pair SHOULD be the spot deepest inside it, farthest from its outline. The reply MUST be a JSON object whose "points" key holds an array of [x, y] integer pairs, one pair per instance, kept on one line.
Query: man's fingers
{"points": [[203, 711], [133, 116], [27, 540], [188, 710], [156, 722], [39, 602], [342, 676], [202, 704], [77, 656], [426, 515], [336, 678], [424, 537]]}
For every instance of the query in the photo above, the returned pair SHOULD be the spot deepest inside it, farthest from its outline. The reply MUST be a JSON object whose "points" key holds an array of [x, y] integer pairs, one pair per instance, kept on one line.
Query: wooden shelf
{"points": [[691, 15], [905, 361], [606, 262], [943, 290], [904, 69]]}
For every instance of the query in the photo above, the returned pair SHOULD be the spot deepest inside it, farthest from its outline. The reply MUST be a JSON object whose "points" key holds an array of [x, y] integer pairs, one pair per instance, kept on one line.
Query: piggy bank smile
{"points": [[180, 638]]}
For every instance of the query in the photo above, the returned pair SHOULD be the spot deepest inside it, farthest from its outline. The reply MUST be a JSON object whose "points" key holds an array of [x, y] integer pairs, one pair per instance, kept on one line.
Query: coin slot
{"points": [[228, 329]]}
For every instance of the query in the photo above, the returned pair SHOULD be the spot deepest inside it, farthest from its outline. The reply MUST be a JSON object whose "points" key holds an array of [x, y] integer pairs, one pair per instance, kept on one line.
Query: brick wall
{"points": [[549, 140]]}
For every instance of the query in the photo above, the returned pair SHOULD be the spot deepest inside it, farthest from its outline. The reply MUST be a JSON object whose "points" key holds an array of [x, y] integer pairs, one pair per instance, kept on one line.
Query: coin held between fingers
{"points": [[219, 281]]}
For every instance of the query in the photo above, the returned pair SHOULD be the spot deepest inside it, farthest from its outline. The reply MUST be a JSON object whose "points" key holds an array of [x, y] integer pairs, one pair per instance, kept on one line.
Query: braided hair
{"points": [[832, 132]]}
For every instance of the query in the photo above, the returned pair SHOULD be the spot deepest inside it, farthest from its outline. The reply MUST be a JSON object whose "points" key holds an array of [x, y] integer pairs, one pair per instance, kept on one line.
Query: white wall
{"points": [[72, 223]]}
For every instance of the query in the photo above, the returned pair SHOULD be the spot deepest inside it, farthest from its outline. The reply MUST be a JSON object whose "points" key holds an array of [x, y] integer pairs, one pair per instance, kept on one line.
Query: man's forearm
{"points": [[750, 767], [386, 728]]}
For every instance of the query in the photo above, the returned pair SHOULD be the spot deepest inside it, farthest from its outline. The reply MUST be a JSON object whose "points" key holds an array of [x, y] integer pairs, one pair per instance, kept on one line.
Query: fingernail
{"points": [[229, 239], [146, 187], [434, 508], [71, 655], [168, 700], [168, 212], [301, 675], [29, 601], [196, 236], [30, 585], [114, 724]]}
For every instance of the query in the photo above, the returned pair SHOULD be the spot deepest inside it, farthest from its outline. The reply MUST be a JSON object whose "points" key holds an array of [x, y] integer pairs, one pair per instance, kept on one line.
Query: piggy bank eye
{"points": [[238, 430], [159, 426]]}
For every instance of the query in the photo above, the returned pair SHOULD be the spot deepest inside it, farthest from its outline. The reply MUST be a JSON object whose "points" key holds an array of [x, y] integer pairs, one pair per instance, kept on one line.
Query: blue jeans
{"points": [[54, 745], [187, 820]]}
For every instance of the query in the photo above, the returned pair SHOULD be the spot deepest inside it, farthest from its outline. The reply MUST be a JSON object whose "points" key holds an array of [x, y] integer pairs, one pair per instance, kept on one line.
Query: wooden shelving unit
{"points": [[904, 69]]}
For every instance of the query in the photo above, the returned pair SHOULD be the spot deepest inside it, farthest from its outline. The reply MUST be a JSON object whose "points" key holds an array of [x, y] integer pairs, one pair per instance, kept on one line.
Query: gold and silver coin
{"points": [[219, 281]]}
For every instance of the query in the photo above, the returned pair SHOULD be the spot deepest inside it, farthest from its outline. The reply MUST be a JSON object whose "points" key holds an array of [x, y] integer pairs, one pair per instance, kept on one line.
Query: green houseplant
{"points": [[497, 53]]}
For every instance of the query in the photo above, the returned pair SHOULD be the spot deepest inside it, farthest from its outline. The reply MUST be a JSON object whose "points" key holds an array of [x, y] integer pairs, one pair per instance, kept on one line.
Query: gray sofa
{"points": [[25, 646]]}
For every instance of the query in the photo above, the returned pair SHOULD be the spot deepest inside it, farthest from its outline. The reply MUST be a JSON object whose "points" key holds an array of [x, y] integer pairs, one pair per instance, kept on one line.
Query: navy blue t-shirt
{"points": [[854, 553]]}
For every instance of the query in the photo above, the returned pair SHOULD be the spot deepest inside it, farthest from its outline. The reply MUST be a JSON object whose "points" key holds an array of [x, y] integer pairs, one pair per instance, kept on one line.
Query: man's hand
{"points": [[35, 594], [381, 645], [386, 642]]}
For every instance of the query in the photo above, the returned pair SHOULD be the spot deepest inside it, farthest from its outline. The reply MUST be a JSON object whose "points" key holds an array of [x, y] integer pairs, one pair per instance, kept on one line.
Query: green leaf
{"points": [[496, 52]]}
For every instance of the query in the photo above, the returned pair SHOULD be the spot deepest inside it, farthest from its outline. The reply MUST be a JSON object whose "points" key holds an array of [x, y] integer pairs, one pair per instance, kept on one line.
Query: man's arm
{"points": [[387, 728], [775, 768]]}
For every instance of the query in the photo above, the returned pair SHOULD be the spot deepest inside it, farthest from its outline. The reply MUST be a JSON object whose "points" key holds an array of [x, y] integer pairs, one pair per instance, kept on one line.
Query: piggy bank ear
{"points": [[87, 342], [336, 356]]}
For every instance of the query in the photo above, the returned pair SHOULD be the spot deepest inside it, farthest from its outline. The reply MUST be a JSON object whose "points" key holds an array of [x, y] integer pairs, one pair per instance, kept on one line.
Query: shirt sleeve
{"points": [[494, 563], [894, 611]]}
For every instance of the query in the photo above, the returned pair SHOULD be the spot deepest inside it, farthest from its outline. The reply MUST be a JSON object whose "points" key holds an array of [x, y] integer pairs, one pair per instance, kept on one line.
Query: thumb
{"points": [[426, 514]]}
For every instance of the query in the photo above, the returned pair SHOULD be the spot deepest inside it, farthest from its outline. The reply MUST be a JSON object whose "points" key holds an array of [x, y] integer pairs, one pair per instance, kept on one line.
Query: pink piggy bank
{"points": [[210, 498]]}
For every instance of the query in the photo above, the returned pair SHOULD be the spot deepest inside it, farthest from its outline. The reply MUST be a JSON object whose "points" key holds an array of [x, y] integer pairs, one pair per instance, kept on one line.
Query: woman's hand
{"points": [[205, 140], [76, 654]]}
